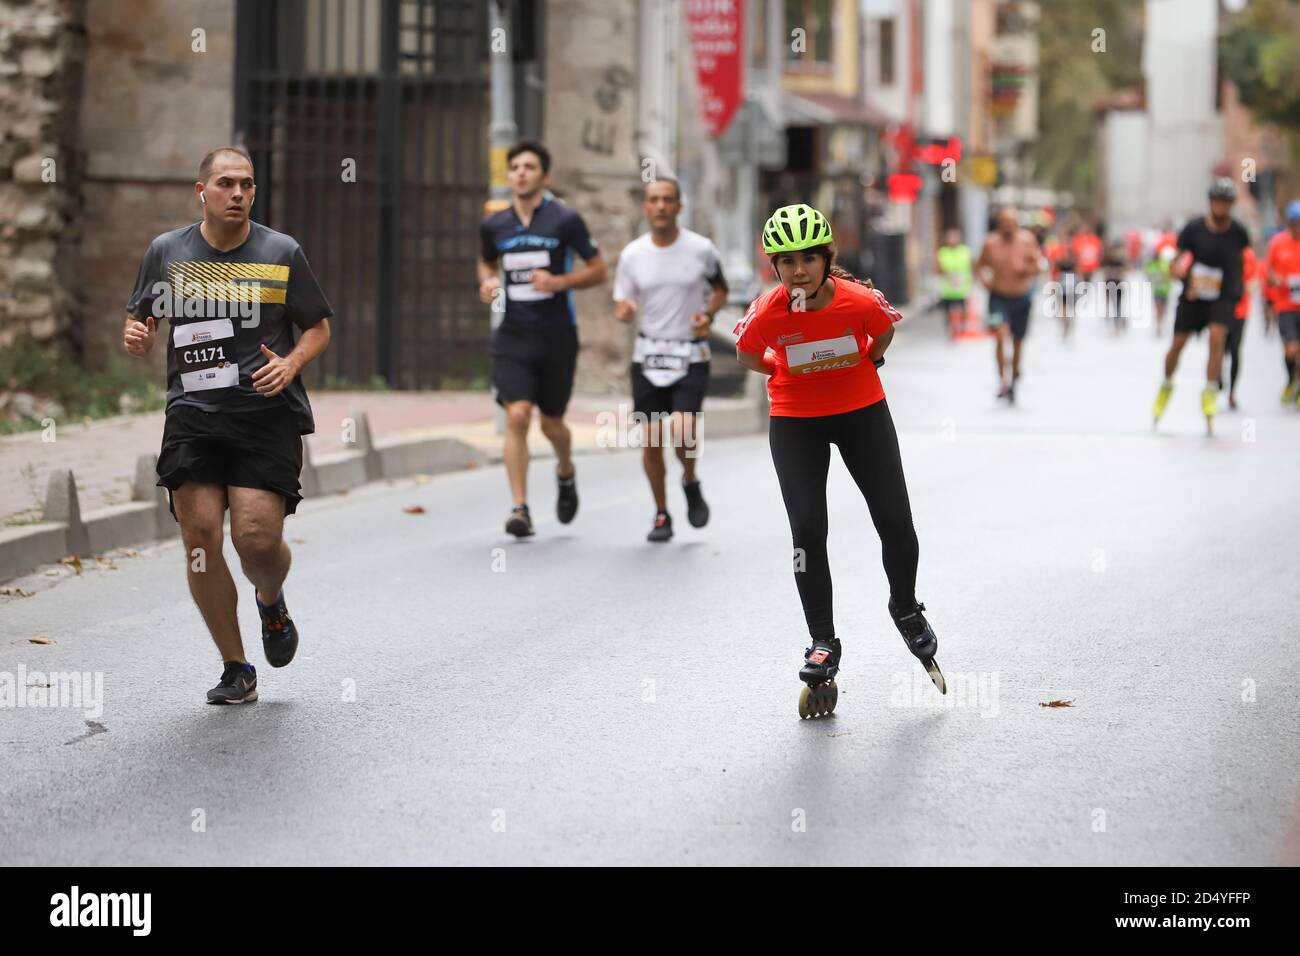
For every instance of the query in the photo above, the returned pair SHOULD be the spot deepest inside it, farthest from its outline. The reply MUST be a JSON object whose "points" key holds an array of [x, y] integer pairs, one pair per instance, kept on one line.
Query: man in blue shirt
{"points": [[524, 266]]}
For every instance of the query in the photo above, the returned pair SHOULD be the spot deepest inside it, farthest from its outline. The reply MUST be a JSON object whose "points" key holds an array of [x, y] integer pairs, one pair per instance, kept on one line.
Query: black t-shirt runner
{"points": [[548, 242], [1216, 261], [223, 306]]}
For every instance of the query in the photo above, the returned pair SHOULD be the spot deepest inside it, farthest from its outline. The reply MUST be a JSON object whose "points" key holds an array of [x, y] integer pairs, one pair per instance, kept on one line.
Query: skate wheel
{"points": [[806, 702]]}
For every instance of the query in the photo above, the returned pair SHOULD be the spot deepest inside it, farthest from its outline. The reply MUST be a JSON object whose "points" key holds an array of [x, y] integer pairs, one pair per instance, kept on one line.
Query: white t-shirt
{"points": [[669, 284]]}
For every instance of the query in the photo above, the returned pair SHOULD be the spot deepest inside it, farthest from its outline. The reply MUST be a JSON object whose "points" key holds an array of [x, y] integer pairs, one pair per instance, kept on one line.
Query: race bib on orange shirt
{"points": [[822, 356]]}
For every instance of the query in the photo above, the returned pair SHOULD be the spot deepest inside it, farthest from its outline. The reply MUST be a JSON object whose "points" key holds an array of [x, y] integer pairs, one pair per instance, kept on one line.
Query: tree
{"points": [[1072, 76], [1260, 53]]}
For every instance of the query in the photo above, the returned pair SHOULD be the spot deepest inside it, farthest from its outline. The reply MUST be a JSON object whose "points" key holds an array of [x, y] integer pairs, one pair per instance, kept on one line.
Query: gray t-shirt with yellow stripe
{"points": [[221, 307]]}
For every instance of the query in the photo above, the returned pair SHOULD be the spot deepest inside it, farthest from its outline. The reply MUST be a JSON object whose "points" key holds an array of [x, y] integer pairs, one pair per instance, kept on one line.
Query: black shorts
{"points": [[953, 305], [686, 395], [1288, 325], [535, 365], [244, 449], [1012, 309], [1195, 316]]}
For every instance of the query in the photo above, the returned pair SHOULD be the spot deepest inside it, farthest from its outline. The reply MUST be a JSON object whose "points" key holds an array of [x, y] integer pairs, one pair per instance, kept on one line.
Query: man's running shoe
{"points": [[697, 509], [279, 636], [238, 685], [1162, 399], [520, 522], [566, 505], [1289, 393], [663, 529]]}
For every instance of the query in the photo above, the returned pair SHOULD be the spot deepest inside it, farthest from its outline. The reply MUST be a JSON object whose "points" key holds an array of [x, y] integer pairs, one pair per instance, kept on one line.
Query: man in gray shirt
{"points": [[671, 280], [232, 291]]}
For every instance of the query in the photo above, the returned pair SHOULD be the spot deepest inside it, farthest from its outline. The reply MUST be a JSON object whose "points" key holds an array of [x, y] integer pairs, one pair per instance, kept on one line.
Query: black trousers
{"points": [[868, 444], [1232, 350]]}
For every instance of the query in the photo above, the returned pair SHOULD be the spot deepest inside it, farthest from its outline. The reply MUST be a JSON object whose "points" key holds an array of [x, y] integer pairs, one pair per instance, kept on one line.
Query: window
{"points": [[886, 52], [811, 48]]}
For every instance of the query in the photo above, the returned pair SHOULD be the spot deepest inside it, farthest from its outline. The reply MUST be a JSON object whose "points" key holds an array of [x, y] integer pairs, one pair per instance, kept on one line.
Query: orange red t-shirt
{"points": [[1249, 269], [1086, 247], [1284, 260], [821, 355]]}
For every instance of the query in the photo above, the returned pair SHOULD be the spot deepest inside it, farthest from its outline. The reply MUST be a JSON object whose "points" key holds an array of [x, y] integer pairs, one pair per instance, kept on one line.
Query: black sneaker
{"points": [[697, 509], [279, 636], [520, 522], [566, 504], [663, 529], [238, 685]]}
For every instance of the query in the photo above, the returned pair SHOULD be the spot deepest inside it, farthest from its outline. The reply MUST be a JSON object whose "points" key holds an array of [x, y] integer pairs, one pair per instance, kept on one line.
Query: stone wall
{"points": [[42, 44], [152, 106], [591, 120]]}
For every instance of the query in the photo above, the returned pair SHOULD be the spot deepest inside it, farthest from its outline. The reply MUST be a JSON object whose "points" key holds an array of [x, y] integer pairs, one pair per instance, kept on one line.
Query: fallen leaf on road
{"points": [[414, 509], [343, 491], [130, 553], [1058, 703], [471, 464], [103, 562], [16, 592], [422, 479], [73, 562], [42, 639], [53, 574]]}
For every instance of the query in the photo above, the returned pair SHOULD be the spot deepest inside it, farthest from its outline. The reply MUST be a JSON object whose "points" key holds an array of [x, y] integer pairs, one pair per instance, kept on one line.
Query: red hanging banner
{"points": [[717, 33]]}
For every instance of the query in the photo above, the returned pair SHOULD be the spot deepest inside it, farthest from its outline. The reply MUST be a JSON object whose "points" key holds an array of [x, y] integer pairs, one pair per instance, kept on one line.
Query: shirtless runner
{"points": [[1007, 266]]}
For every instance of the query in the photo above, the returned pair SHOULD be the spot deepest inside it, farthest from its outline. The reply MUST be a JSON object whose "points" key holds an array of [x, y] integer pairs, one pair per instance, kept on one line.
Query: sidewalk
{"points": [[102, 455]]}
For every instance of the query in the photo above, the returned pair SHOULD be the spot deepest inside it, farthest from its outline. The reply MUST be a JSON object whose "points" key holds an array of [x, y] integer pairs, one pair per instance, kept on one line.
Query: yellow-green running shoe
{"points": [[1289, 393], [1162, 399]]}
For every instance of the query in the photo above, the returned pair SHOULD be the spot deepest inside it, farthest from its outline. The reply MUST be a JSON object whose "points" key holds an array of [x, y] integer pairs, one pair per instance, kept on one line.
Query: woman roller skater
{"points": [[821, 334]]}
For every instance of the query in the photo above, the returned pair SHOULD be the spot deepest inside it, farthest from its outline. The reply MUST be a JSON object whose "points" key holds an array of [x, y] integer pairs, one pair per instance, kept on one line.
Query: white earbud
{"points": [[202, 198]]}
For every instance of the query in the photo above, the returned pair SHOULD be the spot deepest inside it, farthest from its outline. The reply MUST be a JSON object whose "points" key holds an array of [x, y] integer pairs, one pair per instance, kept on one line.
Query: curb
{"points": [[65, 531]]}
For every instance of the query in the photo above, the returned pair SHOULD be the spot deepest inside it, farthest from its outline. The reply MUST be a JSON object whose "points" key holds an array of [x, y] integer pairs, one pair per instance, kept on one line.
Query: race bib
{"points": [[519, 268], [665, 362], [205, 355], [822, 356], [1206, 282]]}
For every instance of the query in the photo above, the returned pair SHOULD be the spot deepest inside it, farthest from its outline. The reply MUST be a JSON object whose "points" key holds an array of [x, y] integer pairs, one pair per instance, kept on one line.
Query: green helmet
{"points": [[792, 228]]}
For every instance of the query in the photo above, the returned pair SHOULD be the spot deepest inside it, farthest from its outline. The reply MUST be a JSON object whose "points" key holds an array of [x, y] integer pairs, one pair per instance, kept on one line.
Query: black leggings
{"points": [[801, 451], [1232, 350]]}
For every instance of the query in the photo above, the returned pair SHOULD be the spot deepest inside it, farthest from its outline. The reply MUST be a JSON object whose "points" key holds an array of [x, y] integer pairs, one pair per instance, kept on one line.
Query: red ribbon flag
{"points": [[716, 31]]}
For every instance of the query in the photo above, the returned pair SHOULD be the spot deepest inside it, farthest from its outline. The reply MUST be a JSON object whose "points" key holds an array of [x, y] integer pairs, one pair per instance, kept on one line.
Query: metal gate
{"points": [[367, 123]]}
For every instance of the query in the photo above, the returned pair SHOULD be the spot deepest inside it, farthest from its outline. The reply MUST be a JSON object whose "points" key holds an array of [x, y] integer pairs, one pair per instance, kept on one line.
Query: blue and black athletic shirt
{"points": [[548, 242]]}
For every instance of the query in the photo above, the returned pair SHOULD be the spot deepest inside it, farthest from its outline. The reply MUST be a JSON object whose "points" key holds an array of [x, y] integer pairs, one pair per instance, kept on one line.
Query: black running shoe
{"points": [[520, 522], [238, 685], [566, 504], [916, 630], [663, 529], [279, 636], [697, 509]]}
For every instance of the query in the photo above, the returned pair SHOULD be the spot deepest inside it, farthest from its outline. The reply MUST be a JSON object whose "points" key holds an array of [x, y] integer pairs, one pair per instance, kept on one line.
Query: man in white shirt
{"points": [[670, 279]]}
